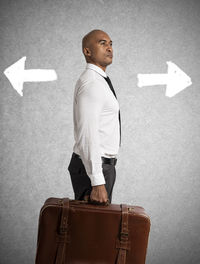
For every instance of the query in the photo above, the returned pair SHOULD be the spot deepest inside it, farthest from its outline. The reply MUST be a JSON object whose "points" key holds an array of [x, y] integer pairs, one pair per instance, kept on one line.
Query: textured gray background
{"points": [[158, 166]]}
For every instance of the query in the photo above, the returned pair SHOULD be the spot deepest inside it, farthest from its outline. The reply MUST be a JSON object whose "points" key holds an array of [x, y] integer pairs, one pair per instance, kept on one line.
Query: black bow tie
{"points": [[112, 89]]}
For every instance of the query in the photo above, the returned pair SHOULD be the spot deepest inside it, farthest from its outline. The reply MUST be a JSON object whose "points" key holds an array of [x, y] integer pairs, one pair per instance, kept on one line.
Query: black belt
{"points": [[111, 161]]}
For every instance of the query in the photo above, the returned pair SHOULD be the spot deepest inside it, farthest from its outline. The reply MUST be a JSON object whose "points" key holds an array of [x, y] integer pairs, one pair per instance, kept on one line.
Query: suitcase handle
{"points": [[87, 198], [91, 202]]}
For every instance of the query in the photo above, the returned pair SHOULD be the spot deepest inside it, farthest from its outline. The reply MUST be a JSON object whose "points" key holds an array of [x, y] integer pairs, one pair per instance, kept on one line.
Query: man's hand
{"points": [[99, 194]]}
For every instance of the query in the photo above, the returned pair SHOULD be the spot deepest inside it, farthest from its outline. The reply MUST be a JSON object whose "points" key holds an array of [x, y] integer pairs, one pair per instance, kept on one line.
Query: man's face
{"points": [[100, 49]]}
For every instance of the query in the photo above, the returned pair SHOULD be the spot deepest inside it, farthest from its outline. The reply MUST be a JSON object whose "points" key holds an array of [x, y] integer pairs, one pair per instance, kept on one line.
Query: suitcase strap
{"points": [[60, 257], [123, 242]]}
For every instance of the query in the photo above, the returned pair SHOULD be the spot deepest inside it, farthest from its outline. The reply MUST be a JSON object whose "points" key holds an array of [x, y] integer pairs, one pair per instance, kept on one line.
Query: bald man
{"points": [[96, 124]]}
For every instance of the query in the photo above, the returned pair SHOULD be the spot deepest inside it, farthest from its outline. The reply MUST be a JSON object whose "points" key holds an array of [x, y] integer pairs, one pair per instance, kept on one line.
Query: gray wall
{"points": [[158, 165]]}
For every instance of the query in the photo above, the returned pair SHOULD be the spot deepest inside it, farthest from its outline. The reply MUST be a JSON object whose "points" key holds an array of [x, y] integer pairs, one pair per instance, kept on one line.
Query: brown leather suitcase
{"points": [[76, 232]]}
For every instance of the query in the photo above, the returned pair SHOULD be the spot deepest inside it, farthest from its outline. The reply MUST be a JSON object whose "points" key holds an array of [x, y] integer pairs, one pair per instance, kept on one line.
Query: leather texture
{"points": [[76, 232]]}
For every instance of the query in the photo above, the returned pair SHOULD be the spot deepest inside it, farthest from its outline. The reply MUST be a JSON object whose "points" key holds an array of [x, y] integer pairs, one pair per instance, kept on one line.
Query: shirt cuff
{"points": [[97, 179]]}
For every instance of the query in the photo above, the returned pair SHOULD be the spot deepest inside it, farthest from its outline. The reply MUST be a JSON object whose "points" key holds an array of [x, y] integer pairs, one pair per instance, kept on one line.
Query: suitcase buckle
{"points": [[63, 230], [124, 234]]}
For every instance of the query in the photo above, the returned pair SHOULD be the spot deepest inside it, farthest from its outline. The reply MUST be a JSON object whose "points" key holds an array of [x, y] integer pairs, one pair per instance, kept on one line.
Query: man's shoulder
{"points": [[90, 76]]}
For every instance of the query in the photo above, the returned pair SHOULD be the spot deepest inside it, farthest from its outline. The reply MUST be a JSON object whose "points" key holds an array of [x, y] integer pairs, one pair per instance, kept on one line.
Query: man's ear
{"points": [[87, 52]]}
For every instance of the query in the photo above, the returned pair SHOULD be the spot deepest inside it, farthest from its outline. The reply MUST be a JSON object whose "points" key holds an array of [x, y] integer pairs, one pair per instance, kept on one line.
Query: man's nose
{"points": [[109, 47]]}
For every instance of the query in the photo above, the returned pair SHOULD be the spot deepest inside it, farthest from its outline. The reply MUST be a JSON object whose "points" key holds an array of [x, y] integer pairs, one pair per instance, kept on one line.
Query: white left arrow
{"points": [[17, 75]]}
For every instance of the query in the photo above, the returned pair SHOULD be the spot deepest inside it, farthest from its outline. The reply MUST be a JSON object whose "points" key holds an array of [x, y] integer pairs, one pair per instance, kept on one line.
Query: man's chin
{"points": [[108, 62]]}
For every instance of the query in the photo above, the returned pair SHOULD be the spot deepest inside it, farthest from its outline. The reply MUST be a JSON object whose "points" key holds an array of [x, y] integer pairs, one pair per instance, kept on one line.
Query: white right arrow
{"points": [[175, 79]]}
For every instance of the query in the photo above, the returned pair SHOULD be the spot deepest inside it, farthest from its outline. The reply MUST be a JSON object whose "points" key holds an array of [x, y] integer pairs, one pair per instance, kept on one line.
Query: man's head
{"points": [[97, 48]]}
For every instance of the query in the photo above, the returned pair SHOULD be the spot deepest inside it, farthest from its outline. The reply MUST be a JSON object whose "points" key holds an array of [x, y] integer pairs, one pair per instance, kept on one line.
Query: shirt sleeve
{"points": [[89, 103]]}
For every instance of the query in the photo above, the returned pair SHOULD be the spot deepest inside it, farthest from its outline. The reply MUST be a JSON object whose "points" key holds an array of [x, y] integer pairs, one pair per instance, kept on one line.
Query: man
{"points": [[96, 124]]}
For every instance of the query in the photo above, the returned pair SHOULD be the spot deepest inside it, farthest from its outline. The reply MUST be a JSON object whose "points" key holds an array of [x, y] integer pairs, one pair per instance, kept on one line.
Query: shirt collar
{"points": [[96, 68]]}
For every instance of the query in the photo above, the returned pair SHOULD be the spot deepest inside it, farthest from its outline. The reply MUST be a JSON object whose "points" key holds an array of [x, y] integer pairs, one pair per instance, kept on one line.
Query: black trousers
{"points": [[81, 182]]}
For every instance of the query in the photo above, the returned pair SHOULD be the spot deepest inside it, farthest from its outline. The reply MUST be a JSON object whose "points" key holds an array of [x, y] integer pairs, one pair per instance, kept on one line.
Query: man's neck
{"points": [[102, 67]]}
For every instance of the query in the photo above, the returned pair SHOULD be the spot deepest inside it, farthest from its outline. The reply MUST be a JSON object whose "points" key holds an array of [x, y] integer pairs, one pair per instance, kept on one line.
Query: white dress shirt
{"points": [[96, 121]]}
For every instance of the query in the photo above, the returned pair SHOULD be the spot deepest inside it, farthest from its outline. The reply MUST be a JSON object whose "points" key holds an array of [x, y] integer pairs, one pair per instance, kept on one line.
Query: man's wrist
{"points": [[97, 179], [98, 186]]}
